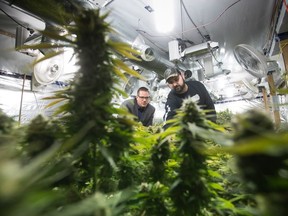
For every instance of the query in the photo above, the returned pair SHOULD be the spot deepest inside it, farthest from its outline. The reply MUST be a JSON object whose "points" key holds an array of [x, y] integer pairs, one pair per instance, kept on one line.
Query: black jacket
{"points": [[198, 92], [145, 115]]}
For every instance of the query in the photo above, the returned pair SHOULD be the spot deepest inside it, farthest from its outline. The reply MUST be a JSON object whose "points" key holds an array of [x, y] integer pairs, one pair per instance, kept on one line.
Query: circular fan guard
{"points": [[48, 70], [251, 60]]}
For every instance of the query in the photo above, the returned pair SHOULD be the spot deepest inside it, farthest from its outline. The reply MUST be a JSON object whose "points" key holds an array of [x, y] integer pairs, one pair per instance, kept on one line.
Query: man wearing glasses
{"points": [[140, 106], [181, 89]]}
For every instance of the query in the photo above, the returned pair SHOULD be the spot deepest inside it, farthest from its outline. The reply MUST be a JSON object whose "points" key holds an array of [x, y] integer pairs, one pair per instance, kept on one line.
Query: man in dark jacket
{"points": [[140, 106], [181, 89]]}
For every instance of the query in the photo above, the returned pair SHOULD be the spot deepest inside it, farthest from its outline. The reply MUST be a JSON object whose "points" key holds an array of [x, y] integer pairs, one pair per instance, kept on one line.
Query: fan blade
{"points": [[49, 70], [251, 60]]}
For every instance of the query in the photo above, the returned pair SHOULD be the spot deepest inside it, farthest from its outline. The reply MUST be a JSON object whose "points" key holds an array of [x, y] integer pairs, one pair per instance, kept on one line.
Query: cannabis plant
{"points": [[189, 192], [262, 158], [77, 153]]}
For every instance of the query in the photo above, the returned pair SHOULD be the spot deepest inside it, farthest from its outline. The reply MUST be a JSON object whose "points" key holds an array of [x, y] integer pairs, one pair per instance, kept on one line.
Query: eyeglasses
{"points": [[142, 97]]}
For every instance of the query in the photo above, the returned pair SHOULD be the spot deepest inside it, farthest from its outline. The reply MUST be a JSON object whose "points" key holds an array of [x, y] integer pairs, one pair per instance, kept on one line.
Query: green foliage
{"points": [[189, 192], [263, 169], [94, 159], [224, 118], [66, 156], [40, 135]]}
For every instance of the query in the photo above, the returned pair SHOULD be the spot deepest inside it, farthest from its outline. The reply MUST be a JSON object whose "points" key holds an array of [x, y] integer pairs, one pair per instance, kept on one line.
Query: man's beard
{"points": [[179, 88]]}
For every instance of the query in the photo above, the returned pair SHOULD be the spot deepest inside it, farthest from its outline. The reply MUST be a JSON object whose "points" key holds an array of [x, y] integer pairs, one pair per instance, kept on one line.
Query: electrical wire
{"points": [[212, 53], [217, 18], [197, 27], [182, 26], [203, 69], [183, 5]]}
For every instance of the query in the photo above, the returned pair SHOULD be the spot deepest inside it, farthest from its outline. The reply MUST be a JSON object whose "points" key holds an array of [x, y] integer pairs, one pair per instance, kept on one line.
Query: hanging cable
{"points": [[203, 37], [212, 53], [203, 69]]}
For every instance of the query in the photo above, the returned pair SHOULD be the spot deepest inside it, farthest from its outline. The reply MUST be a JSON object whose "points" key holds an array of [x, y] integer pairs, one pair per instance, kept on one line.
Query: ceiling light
{"points": [[164, 15]]}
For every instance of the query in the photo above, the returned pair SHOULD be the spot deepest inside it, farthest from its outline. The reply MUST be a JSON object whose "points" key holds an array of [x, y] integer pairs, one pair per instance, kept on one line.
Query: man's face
{"points": [[143, 98], [177, 83]]}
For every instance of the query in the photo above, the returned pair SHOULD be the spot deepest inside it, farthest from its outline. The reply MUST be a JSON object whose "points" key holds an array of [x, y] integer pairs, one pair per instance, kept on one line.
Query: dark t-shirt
{"points": [[198, 92]]}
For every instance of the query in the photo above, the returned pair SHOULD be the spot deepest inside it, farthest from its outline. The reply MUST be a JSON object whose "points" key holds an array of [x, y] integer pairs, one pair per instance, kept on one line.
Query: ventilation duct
{"points": [[147, 53], [152, 59]]}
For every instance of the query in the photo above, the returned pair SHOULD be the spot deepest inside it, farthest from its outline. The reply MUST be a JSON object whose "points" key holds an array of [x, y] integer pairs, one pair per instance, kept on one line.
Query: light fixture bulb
{"points": [[164, 15]]}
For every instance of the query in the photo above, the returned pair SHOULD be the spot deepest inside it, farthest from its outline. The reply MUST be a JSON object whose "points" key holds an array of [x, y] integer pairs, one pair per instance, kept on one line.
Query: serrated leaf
{"points": [[130, 71], [120, 74], [216, 186], [48, 56], [53, 103]]}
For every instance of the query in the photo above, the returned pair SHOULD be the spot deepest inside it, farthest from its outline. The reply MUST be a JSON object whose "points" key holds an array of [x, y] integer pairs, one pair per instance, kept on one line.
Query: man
{"points": [[141, 107], [181, 89]]}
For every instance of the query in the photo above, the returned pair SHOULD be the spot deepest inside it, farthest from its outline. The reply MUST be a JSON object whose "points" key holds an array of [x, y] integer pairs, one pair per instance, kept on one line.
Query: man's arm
{"points": [[171, 106], [211, 114]]}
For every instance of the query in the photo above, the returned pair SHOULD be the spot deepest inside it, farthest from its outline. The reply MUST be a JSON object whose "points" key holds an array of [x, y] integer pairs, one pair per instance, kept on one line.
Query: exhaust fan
{"points": [[267, 71], [256, 63], [251, 60], [49, 70]]}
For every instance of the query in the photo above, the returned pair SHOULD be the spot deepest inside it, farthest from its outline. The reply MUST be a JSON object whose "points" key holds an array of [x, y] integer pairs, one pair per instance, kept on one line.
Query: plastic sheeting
{"points": [[20, 102]]}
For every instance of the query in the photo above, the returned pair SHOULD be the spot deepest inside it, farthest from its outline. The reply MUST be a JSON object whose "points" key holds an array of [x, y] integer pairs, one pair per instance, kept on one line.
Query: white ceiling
{"points": [[228, 22], [224, 21]]}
